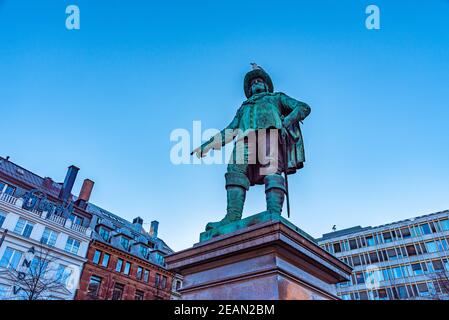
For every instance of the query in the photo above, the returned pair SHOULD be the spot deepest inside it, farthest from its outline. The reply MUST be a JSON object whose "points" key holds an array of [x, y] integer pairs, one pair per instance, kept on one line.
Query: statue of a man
{"points": [[267, 129]]}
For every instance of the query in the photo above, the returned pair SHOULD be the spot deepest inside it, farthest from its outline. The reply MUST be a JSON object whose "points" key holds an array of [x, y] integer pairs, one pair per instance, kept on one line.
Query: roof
{"points": [[134, 229], [358, 229], [21, 174], [342, 232]]}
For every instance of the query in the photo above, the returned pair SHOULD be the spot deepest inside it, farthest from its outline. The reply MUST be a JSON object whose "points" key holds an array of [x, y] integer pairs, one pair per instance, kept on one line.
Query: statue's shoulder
{"points": [[280, 94]]}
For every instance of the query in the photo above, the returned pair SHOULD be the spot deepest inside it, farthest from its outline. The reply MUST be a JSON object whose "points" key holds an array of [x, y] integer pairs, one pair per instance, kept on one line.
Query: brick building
{"points": [[125, 262]]}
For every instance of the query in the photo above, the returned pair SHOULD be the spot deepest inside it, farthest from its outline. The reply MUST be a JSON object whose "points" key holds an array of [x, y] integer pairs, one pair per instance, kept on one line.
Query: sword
{"points": [[284, 147]]}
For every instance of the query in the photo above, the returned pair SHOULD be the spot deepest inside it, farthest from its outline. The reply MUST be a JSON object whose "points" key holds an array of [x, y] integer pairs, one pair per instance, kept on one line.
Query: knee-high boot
{"points": [[274, 193], [236, 186]]}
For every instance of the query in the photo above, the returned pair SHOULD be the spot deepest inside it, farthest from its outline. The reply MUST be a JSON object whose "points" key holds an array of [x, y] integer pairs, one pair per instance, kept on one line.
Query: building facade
{"points": [[402, 260], [44, 235], [72, 249], [125, 262]]}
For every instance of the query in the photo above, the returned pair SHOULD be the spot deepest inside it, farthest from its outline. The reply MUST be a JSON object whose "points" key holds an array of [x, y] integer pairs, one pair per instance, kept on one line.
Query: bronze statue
{"points": [[272, 119]]}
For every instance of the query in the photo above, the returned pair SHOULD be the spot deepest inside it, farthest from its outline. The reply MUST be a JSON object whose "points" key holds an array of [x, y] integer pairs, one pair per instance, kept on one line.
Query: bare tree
{"points": [[38, 277], [440, 278]]}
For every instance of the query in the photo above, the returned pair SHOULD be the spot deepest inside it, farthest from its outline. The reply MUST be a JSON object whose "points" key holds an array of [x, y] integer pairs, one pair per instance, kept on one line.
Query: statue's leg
{"points": [[274, 192], [237, 183]]}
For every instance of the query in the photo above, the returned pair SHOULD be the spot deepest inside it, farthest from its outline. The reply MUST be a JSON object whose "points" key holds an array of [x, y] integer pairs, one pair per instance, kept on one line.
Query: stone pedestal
{"points": [[264, 257]]}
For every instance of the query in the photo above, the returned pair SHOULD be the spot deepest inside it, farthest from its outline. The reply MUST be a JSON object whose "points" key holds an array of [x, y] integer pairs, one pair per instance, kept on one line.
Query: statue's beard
{"points": [[259, 89]]}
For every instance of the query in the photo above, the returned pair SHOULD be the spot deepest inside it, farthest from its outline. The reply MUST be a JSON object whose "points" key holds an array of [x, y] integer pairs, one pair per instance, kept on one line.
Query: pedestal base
{"points": [[269, 260]]}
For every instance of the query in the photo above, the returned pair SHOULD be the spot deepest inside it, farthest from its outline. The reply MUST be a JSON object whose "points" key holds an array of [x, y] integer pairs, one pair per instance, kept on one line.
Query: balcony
{"points": [[66, 223], [8, 198]]}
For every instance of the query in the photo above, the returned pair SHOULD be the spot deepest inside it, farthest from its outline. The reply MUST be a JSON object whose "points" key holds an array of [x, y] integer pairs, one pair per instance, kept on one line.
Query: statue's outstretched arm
{"points": [[227, 134], [220, 139], [295, 110]]}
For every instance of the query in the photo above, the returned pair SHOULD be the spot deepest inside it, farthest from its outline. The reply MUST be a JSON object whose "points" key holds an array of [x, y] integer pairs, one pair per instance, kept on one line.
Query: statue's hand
{"points": [[284, 128], [201, 151]]}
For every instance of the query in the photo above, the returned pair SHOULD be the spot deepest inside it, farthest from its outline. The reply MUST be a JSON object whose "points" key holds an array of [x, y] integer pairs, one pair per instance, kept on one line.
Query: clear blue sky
{"points": [[107, 96]]}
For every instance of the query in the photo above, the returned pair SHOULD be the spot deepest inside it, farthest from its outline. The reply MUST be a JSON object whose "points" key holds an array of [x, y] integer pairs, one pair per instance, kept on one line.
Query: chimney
{"points": [[86, 191], [138, 221], [153, 229], [69, 181]]}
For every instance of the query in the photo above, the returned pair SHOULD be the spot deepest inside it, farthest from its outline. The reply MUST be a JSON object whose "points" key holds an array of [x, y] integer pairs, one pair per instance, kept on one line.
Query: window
{"points": [[356, 260], [437, 265], [76, 219], [397, 272], [159, 259], [124, 242], [386, 274], [146, 275], [425, 228], [411, 251], [179, 284], [139, 273], [382, 294], [373, 257], [415, 231], [431, 247], [402, 292], [144, 251], [363, 295], [139, 295], [164, 282], [391, 253], [49, 237], [352, 244], [5, 188], [72, 246], [442, 245], [345, 297], [94, 286], [105, 261], [2, 218], [24, 227], [118, 291], [104, 234], [118, 266], [423, 289], [11, 258], [127, 268], [63, 274], [337, 247], [417, 270], [359, 277], [387, 237], [157, 280], [445, 224], [38, 267], [97, 256], [405, 233], [370, 241]]}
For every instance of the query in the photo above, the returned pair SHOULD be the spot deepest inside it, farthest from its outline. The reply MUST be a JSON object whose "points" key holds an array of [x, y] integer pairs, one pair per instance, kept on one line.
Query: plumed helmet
{"points": [[257, 72]]}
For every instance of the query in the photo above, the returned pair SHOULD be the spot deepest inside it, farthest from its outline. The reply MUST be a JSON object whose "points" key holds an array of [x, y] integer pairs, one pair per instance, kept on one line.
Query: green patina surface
{"points": [[249, 221], [264, 110]]}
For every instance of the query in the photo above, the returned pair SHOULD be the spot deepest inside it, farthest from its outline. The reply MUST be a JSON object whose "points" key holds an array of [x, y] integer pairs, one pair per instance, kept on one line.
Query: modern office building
{"points": [[125, 262], [44, 235], [407, 259]]}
